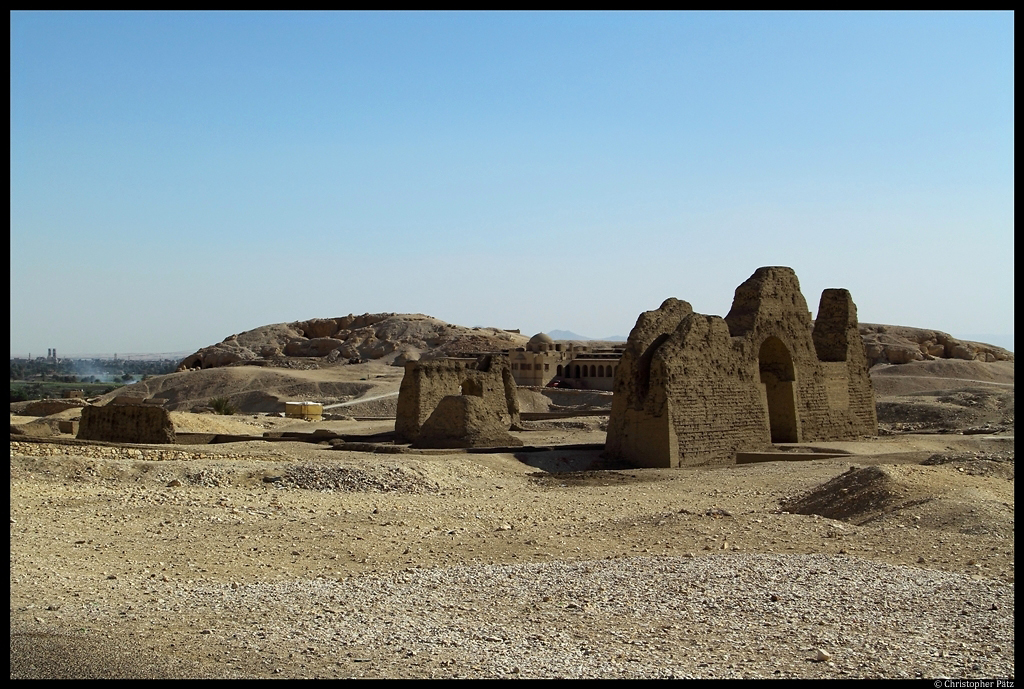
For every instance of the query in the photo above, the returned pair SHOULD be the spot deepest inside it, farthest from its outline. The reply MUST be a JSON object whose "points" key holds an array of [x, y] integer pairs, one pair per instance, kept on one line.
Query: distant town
{"points": [[50, 375]]}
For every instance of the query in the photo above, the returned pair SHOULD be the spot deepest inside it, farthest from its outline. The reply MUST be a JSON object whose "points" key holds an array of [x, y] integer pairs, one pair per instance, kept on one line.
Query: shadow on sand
{"points": [[569, 458]]}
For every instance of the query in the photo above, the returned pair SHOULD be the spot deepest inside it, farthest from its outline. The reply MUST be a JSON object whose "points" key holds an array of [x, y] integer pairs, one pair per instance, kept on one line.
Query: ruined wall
{"points": [[464, 421], [426, 383], [716, 405], [638, 426], [694, 389], [126, 424], [773, 327], [841, 404], [49, 406]]}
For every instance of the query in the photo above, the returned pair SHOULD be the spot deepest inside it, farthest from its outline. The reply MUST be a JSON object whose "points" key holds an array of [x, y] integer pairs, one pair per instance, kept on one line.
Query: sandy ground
{"points": [[300, 560]]}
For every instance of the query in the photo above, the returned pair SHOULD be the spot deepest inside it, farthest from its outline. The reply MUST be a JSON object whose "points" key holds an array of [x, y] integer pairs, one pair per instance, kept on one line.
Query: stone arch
{"points": [[600, 371], [778, 378], [593, 371], [577, 371], [559, 370]]}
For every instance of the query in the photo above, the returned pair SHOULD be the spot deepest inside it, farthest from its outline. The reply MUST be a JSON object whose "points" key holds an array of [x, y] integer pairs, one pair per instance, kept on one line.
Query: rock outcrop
{"points": [[399, 338], [51, 406], [395, 338], [896, 344]]}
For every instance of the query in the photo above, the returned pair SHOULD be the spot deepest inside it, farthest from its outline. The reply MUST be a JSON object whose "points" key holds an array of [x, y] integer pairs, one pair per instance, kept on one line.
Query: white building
{"points": [[544, 362]]}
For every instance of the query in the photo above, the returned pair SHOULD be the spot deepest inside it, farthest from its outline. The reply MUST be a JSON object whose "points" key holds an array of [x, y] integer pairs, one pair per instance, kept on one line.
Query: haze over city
{"points": [[179, 177]]}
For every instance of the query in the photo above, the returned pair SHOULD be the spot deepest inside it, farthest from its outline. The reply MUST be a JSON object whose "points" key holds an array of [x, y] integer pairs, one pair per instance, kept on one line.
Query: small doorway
{"points": [[778, 379]]}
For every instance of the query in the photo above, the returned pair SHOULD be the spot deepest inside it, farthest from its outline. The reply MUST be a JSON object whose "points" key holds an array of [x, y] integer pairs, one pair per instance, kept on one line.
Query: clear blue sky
{"points": [[179, 177]]}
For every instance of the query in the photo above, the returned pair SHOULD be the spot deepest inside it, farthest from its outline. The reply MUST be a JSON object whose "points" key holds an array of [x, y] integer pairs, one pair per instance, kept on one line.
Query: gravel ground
{"points": [[293, 560], [642, 617]]}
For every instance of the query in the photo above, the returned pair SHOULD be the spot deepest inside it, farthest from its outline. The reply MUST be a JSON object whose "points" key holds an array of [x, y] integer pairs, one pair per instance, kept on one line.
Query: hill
{"points": [[392, 338]]}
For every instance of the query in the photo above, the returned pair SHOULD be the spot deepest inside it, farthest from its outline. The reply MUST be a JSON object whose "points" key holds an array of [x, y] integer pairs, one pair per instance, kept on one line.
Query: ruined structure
{"points": [[52, 406], [126, 423], [426, 383], [694, 389], [464, 421], [543, 361]]}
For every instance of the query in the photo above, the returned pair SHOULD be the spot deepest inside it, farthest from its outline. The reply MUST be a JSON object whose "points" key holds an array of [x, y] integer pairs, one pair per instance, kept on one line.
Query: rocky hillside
{"points": [[396, 338], [897, 344], [391, 337]]}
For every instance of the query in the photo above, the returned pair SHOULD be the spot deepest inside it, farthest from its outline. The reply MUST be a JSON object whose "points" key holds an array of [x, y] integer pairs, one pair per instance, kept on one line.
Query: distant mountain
{"points": [[569, 335], [566, 335]]}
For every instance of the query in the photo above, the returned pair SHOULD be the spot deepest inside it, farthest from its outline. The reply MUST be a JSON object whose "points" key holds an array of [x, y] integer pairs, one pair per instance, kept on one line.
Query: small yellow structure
{"points": [[310, 411]]}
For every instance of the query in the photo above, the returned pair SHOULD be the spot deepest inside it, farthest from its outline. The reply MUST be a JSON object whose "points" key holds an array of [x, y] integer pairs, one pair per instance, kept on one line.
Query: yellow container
{"points": [[310, 411]]}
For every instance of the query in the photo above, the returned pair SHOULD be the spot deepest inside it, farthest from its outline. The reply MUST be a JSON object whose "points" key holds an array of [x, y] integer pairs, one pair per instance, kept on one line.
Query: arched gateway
{"points": [[697, 389], [778, 380]]}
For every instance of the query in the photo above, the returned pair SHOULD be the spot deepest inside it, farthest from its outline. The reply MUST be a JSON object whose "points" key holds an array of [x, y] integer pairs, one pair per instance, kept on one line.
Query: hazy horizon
{"points": [[177, 177], [1006, 342]]}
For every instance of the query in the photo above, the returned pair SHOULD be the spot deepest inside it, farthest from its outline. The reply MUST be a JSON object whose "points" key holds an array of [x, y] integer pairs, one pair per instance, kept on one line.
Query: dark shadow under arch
{"points": [[778, 376]]}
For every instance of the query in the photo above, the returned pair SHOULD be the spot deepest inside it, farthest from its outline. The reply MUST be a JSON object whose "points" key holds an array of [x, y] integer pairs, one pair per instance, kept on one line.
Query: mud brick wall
{"points": [[126, 424], [426, 383], [639, 426], [693, 389], [716, 404], [464, 421]]}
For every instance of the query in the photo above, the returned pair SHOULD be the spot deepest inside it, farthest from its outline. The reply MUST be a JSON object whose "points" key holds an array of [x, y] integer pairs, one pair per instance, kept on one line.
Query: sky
{"points": [[180, 177]]}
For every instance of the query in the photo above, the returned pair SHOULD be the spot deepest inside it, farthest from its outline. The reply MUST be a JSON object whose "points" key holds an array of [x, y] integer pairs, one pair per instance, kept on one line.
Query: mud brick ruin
{"points": [[693, 389], [427, 383], [464, 421], [126, 423]]}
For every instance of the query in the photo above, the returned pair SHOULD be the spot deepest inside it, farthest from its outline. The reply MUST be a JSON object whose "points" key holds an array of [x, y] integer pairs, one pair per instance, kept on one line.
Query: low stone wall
{"points": [[107, 452]]}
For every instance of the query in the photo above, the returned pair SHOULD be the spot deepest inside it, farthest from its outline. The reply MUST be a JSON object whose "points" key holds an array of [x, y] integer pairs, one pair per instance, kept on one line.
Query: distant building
{"points": [[544, 362]]}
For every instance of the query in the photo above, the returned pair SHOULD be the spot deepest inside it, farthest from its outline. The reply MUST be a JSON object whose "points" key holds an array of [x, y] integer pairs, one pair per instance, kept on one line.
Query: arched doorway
{"points": [[779, 380]]}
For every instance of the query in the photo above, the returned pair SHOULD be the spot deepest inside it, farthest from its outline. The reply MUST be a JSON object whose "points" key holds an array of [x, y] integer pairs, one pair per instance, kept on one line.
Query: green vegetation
{"points": [[25, 390], [40, 378], [222, 405], [84, 369]]}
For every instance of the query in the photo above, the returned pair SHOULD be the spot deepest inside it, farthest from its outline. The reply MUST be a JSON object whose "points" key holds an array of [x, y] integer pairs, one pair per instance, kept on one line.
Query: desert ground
{"points": [[893, 557]]}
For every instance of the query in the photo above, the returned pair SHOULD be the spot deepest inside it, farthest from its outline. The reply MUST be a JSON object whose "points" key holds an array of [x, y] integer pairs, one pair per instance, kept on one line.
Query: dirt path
{"points": [[361, 400]]}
